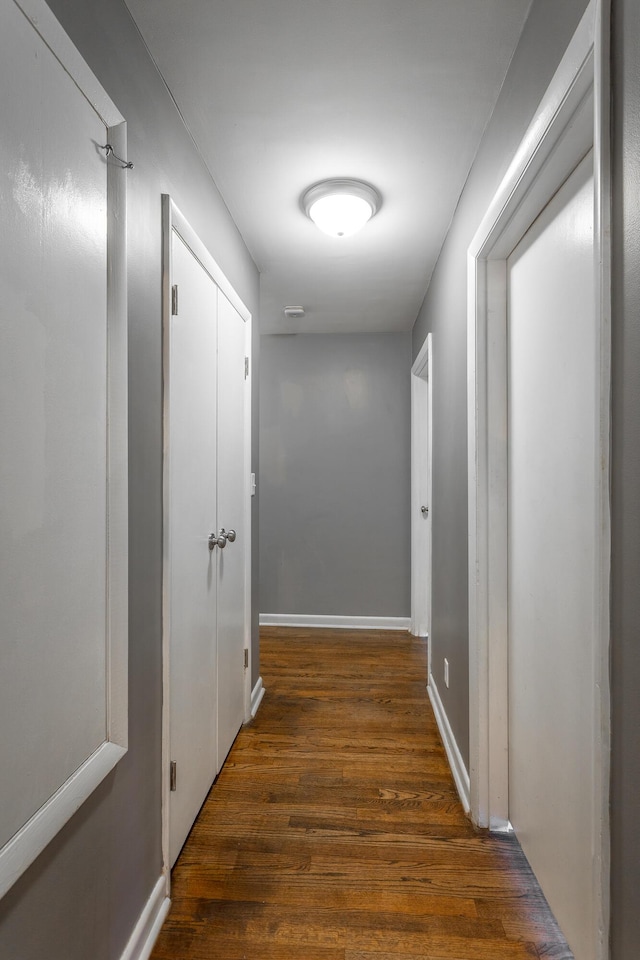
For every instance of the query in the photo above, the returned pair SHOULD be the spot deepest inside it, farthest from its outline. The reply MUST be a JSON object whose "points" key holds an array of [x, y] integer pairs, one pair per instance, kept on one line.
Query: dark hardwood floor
{"points": [[334, 831]]}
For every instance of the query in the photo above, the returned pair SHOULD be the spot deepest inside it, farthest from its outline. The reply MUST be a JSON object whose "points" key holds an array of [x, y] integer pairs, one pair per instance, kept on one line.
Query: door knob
{"points": [[424, 511], [214, 541], [231, 535]]}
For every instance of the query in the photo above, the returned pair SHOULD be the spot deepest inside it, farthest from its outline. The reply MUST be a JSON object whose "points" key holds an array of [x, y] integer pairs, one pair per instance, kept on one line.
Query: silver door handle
{"points": [[229, 535], [215, 541], [424, 511]]}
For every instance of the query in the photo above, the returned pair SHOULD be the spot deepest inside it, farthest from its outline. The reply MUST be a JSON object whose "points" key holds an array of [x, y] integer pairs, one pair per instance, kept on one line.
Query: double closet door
{"points": [[206, 535]]}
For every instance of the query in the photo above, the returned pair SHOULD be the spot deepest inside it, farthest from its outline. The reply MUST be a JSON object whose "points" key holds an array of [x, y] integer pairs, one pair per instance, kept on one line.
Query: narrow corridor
{"points": [[334, 831]]}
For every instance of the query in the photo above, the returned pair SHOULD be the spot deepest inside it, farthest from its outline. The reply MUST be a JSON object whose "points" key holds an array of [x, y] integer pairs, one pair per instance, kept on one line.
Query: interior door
{"points": [[53, 425], [63, 442], [421, 479], [552, 492], [192, 586], [232, 480]]}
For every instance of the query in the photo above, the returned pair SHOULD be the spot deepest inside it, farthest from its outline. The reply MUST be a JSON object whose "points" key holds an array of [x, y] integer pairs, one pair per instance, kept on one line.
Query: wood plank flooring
{"points": [[334, 831]]}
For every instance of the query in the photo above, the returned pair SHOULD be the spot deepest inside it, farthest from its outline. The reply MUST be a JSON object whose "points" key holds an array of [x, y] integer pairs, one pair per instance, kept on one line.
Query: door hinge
{"points": [[173, 774], [246, 659], [246, 367], [174, 300]]}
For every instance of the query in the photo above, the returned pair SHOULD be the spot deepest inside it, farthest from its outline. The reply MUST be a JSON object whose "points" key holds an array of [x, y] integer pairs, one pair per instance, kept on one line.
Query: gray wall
{"points": [[335, 474], [82, 897], [625, 594], [444, 312]]}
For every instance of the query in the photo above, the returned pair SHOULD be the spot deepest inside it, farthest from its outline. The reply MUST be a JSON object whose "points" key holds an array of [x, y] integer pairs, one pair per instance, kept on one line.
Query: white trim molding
{"points": [[571, 119], [336, 622], [457, 764], [257, 694], [145, 933]]}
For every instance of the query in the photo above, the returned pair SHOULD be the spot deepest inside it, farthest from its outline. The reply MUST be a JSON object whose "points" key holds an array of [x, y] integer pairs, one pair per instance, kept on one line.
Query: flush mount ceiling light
{"points": [[341, 207]]}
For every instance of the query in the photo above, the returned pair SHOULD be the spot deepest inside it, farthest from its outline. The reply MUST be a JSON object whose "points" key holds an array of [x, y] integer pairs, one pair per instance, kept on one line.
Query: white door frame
{"points": [[173, 220], [421, 433], [572, 118]]}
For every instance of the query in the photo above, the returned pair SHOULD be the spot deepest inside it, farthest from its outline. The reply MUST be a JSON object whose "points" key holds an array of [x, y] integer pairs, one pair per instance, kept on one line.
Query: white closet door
{"points": [[552, 543], [206, 527], [63, 472], [192, 517], [232, 482]]}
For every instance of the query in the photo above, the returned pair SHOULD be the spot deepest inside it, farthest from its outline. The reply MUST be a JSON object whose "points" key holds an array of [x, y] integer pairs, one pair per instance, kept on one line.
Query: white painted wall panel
{"points": [[53, 431]]}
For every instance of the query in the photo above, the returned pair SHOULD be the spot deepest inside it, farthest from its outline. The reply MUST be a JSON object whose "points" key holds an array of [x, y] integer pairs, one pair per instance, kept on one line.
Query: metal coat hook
{"points": [[126, 165]]}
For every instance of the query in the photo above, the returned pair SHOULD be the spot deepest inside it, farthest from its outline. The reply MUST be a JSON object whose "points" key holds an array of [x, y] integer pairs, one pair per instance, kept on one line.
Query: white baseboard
{"points": [[150, 921], [335, 622], [458, 769], [256, 697]]}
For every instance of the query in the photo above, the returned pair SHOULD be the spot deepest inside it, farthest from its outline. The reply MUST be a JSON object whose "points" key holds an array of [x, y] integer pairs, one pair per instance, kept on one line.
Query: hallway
{"points": [[334, 831]]}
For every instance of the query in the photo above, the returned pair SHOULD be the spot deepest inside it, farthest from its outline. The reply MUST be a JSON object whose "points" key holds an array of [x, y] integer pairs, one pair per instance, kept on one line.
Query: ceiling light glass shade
{"points": [[341, 207]]}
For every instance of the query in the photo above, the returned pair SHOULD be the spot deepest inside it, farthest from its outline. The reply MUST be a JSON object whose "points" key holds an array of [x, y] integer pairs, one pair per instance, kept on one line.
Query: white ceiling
{"points": [[279, 94]]}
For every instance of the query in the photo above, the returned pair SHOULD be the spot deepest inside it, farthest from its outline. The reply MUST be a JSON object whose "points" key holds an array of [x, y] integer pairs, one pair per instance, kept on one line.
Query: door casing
{"points": [[571, 119], [174, 220]]}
